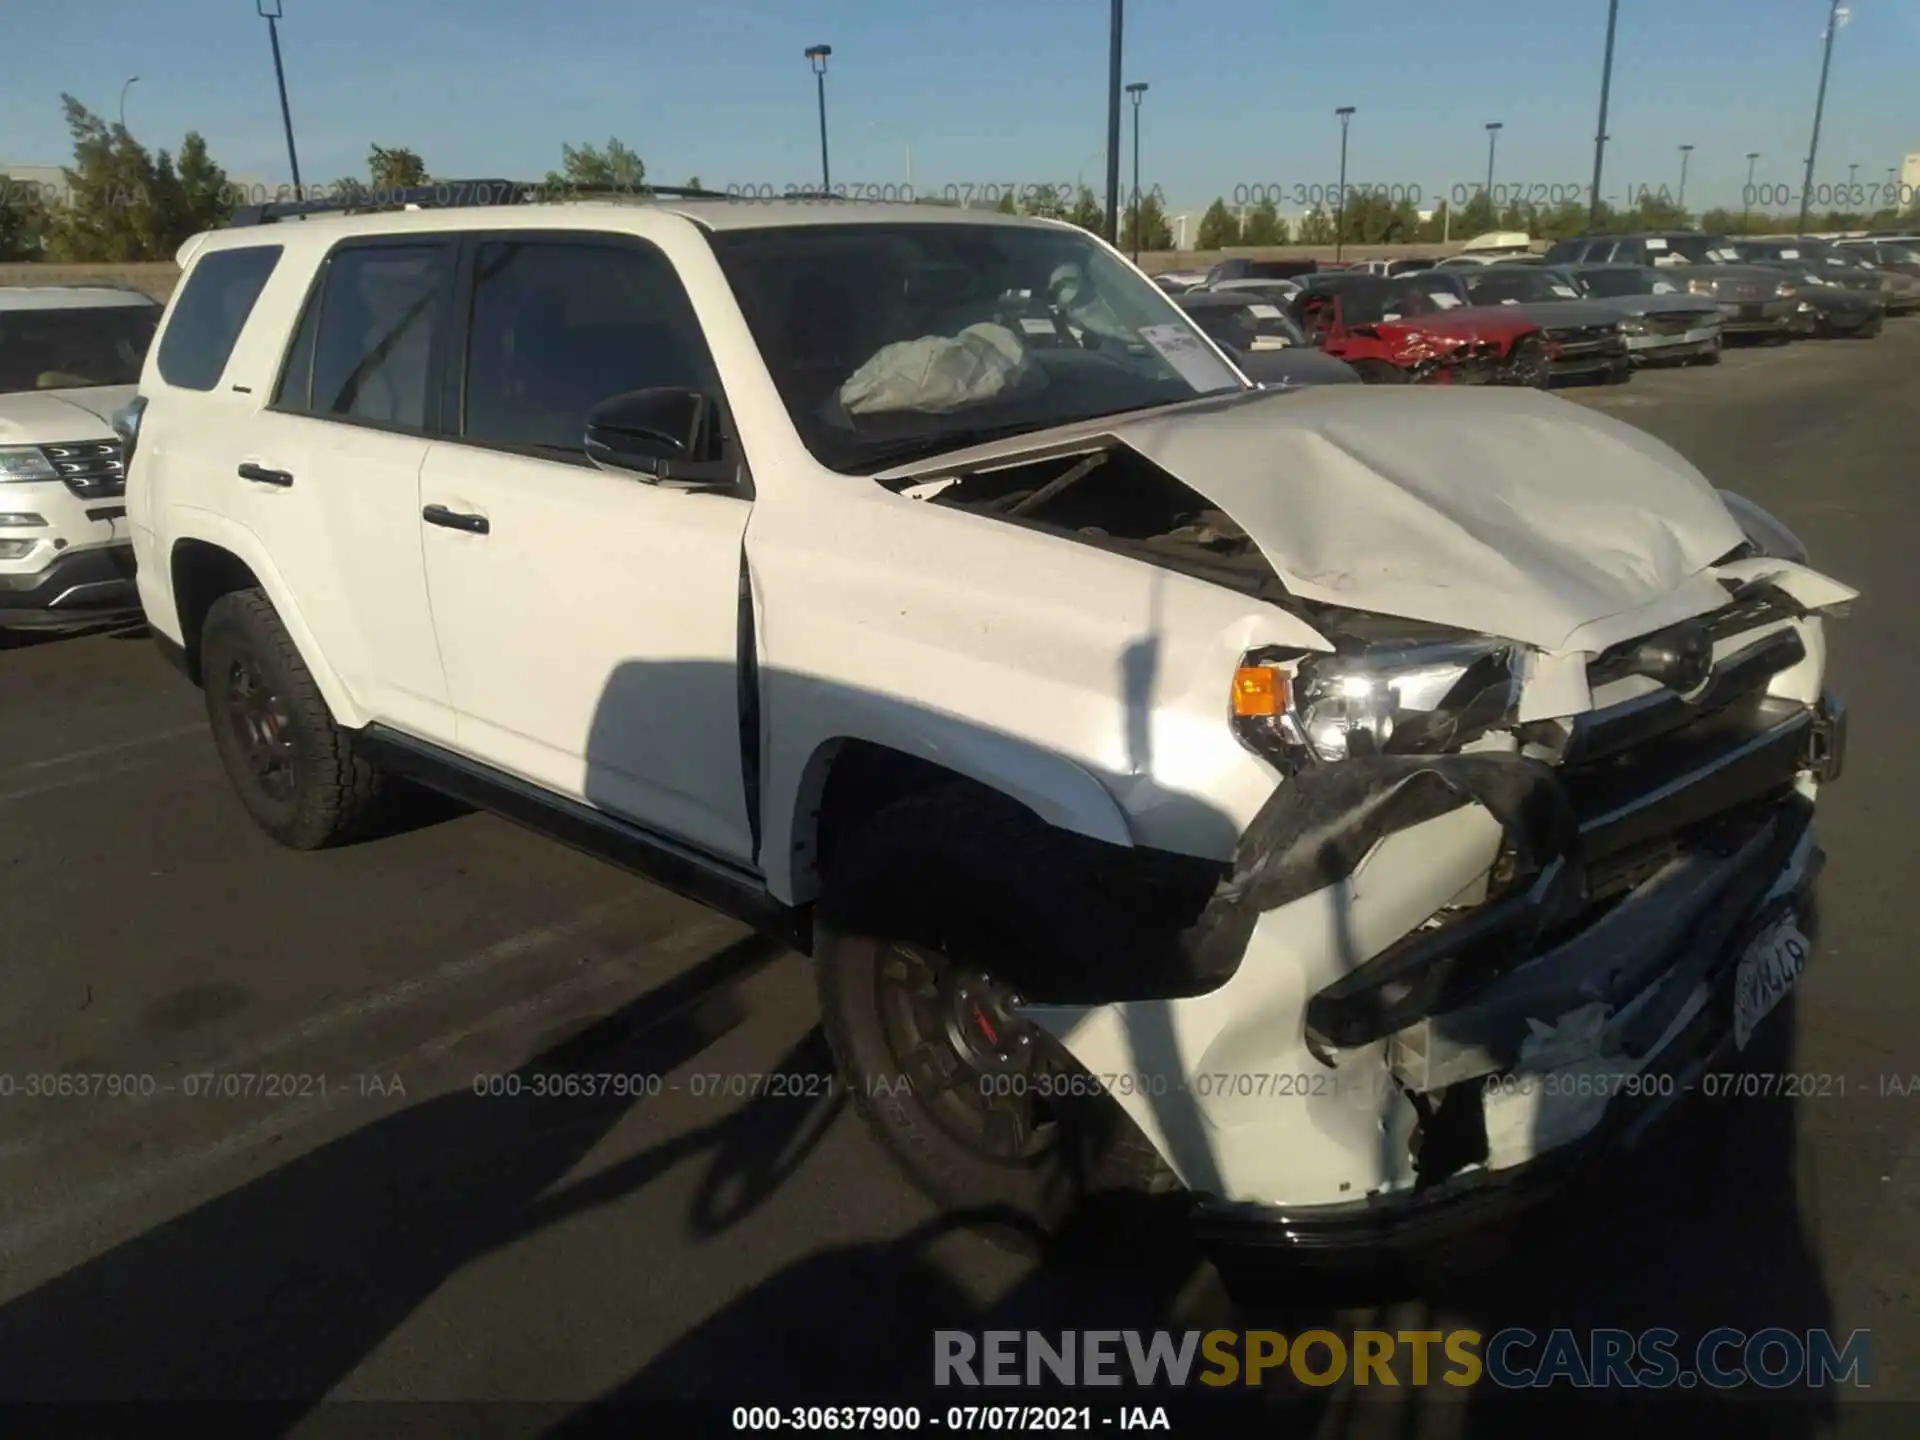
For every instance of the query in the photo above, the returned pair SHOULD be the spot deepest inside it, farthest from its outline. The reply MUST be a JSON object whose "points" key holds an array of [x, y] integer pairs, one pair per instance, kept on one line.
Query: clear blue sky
{"points": [[985, 90]]}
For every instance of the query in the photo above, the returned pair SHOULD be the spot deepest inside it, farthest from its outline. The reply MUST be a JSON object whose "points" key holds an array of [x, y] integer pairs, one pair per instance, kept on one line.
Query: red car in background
{"points": [[1407, 331]]}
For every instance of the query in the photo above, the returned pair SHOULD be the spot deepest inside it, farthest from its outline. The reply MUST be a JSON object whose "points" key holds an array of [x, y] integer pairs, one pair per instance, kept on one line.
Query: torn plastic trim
{"points": [[1633, 971], [1315, 829]]}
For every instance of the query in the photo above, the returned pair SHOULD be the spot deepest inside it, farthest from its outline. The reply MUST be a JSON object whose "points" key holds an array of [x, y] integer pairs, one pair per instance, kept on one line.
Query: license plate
{"points": [[1769, 969]]}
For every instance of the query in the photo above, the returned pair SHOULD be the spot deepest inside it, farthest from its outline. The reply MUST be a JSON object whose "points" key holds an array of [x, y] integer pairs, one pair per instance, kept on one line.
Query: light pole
{"points": [[818, 54], [269, 11], [1138, 91], [1600, 133], [1494, 127], [1836, 17], [1345, 112], [905, 144], [1118, 20], [1686, 154], [1746, 210], [132, 80]]}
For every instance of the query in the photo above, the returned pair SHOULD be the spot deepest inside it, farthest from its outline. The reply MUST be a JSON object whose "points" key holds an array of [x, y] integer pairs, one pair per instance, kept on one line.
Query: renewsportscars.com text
{"points": [[1513, 1358]]}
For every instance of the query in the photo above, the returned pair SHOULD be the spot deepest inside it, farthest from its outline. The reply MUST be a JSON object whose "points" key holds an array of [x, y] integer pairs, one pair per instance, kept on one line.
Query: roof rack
{"points": [[455, 194]]}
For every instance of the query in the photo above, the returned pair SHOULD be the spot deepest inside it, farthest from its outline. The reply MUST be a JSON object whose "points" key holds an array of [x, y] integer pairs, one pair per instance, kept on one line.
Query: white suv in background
{"points": [[1334, 811], [69, 358]]}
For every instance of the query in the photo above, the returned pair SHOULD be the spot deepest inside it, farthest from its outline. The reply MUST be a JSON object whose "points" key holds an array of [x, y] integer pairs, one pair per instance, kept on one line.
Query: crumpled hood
{"points": [[1503, 511], [46, 417]]}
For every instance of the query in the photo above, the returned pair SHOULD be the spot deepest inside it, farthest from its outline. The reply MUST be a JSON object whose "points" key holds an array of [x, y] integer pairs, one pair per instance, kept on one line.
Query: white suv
{"points": [[69, 358], [1331, 811]]}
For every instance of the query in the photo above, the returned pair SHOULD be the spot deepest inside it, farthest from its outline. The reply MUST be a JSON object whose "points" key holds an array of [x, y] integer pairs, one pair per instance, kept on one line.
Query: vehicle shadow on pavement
{"points": [[277, 1290]]}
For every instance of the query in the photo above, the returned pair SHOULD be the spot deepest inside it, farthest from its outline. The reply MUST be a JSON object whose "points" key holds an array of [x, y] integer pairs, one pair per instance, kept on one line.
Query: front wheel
{"points": [[939, 915], [1380, 372], [1529, 365], [1711, 356], [293, 768]]}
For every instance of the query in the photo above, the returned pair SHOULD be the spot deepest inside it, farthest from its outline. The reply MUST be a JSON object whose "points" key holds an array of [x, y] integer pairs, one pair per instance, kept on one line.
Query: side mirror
{"points": [[667, 436]]}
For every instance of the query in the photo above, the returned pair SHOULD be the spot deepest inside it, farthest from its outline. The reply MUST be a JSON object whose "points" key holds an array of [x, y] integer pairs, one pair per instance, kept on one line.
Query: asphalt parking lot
{"points": [[364, 1225]]}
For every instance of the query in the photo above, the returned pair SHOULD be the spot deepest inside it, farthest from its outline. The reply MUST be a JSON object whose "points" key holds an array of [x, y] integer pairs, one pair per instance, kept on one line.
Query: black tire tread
{"points": [[960, 828], [341, 791]]}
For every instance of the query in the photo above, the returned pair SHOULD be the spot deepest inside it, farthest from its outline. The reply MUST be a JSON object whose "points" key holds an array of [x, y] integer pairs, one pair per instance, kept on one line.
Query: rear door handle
{"points": [[260, 475], [454, 520]]}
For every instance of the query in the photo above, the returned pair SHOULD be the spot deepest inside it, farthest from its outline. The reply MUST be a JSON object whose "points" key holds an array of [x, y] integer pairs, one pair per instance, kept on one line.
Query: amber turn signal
{"points": [[1258, 690]]}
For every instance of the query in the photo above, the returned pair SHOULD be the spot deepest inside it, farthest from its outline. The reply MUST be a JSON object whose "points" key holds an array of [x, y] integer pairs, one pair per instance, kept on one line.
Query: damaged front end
{"points": [[1460, 948]]}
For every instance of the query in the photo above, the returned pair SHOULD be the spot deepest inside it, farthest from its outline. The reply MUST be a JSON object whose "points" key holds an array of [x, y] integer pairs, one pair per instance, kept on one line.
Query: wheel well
{"points": [[201, 574], [861, 778]]}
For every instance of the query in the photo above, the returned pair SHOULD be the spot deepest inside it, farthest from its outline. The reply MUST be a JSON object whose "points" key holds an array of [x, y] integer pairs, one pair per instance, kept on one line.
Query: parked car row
{"points": [[1590, 309]]}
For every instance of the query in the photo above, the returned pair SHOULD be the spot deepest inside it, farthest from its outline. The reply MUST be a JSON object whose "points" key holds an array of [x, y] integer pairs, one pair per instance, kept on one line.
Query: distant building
{"points": [[1909, 179]]}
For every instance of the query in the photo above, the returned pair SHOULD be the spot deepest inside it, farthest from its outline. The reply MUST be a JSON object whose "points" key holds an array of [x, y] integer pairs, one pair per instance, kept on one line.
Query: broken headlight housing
{"points": [[1390, 699]]}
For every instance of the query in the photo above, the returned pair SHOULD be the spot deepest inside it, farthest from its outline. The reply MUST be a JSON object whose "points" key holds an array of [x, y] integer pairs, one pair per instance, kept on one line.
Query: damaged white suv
{"points": [[1336, 809]]}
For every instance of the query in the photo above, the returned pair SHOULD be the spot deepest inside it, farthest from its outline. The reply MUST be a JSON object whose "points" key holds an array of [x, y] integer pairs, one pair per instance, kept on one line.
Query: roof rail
{"points": [[454, 194]]}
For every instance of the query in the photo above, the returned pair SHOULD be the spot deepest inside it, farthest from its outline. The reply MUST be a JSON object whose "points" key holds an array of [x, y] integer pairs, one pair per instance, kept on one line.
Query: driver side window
{"points": [[557, 326]]}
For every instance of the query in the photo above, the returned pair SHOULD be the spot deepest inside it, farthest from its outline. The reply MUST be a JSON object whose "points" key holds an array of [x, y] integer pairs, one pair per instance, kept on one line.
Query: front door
{"points": [[589, 621]]}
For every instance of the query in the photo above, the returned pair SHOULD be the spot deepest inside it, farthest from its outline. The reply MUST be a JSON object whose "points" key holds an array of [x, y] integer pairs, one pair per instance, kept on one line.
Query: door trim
{"points": [[672, 864]]}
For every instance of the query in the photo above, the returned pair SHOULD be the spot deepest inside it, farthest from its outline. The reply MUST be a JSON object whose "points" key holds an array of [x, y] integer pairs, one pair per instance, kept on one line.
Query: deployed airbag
{"points": [[937, 373]]}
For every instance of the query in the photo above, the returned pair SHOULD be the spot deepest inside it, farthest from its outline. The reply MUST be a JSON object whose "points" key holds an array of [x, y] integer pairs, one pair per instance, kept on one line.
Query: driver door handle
{"points": [[454, 520], [260, 475]]}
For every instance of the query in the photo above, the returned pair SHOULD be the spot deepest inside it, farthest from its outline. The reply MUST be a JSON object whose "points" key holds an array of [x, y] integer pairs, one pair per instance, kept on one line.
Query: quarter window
{"points": [[557, 327], [212, 309]]}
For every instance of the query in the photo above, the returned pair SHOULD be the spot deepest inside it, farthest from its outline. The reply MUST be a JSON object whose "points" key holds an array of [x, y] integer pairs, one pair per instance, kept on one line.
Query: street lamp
{"points": [[1345, 112], [1746, 211], [1137, 90], [818, 55], [269, 11], [1836, 17], [1686, 154], [1117, 18], [132, 80], [1494, 127], [1600, 132]]}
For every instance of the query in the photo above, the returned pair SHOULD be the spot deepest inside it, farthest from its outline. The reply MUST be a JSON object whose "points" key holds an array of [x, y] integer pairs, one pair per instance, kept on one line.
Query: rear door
{"points": [[330, 475]]}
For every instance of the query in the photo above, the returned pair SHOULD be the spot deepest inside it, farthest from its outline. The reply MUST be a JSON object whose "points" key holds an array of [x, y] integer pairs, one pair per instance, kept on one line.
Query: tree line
{"points": [[124, 202]]}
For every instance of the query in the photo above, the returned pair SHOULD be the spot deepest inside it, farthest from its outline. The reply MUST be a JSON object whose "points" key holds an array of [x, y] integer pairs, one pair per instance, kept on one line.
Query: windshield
{"points": [[1700, 249], [73, 348], [1520, 285], [891, 342], [1900, 255], [1427, 293], [1610, 283], [1256, 325]]}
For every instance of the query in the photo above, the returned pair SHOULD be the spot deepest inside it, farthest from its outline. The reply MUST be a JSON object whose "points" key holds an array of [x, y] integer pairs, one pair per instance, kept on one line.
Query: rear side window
{"points": [[208, 316], [365, 344]]}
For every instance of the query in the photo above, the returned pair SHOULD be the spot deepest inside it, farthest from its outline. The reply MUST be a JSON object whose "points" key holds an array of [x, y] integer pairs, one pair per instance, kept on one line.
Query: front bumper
{"points": [[1684, 344], [1458, 925], [77, 589], [1817, 320], [1756, 317]]}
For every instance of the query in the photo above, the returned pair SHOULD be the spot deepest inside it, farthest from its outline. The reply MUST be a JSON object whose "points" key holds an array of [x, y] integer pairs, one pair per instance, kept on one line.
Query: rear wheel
{"points": [[939, 916], [292, 767]]}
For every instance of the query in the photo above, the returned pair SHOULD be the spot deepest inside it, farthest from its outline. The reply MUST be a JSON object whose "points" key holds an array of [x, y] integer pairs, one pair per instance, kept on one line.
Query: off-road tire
{"points": [[914, 873], [334, 792]]}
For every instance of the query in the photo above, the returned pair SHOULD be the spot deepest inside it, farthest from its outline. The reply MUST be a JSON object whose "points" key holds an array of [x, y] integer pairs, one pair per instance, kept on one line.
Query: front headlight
{"points": [[1388, 699], [25, 462]]}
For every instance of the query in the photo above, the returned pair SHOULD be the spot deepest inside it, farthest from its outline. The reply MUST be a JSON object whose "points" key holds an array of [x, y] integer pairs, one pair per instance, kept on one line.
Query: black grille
{"points": [[1576, 340], [93, 469], [1675, 322]]}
